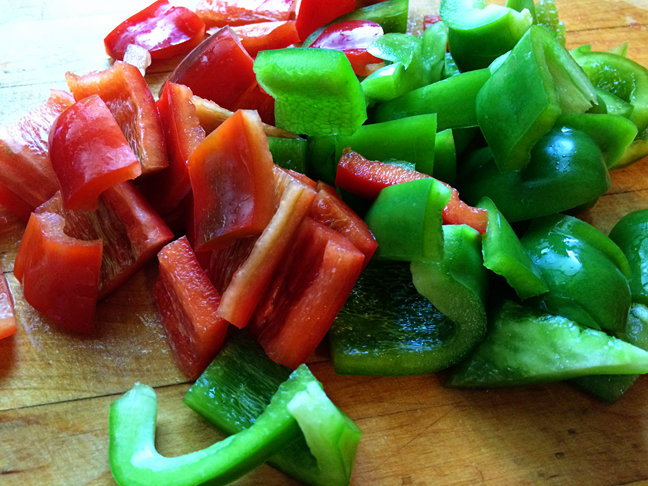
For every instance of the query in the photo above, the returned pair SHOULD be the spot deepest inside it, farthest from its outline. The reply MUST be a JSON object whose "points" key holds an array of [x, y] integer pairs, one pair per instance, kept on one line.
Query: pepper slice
{"points": [[631, 234], [7, 318]]}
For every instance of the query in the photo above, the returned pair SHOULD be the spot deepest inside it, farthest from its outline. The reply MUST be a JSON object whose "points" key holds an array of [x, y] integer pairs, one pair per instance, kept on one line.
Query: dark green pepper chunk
{"points": [[631, 235], [585, 271]]}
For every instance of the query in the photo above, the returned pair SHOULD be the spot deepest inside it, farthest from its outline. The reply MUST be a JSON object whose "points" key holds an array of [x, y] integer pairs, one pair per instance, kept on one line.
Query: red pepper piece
{"points": [[26, 172], [305, 294], [232, 179], [132, 233], [59, 274], [89, 153], [188, 303], [163, 30], [219, 69], [367, 178], [124, 90], [219, 13], [329, 209], [352, 37], [183, 135], [264, 36], [7, 317], [257, 99], [313, 14]]}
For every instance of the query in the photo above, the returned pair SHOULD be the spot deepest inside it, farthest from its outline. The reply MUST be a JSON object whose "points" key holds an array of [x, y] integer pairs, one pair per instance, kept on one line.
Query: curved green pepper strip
{"points": [[620, 76], [585, 271], [289, 153], [610, 104], [134, 460], [445, 159], [631, 235], [388, 328], [239, 385], [525, 347], [614, 134], [505, 255], [316, 91], [480, 33], [453, 100], [637, 150], [406, 220], [547, 16], [514, 116], [567, 170]]}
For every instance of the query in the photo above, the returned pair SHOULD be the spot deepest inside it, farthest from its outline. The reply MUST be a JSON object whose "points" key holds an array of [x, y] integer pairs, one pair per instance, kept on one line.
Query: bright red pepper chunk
{"points": [[163, 30], [89, 153], [352, 37], [264, 36], [314, 14], [367, 178]]}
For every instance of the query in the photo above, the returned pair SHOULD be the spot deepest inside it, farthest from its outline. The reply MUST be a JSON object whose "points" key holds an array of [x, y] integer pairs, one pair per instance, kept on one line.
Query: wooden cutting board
{"points": [[55, 388]]}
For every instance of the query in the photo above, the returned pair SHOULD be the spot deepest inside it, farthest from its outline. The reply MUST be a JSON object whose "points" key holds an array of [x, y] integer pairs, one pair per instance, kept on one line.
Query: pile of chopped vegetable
{"points": [[323, 171]]}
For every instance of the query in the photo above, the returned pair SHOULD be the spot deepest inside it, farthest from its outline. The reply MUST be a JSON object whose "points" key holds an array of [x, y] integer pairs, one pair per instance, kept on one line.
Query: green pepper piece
{"points": [[321, 162], [520, 5], [450, 67], [289, 153], [238, 386], [567, 170], [406, 220], [445, 159], [453, 100], [435, 42], [514, 116], [637, 150], [134, 460], [480, 33], [525, 346], [585, 271], [505, 255], [620, 76], [390, 14], [410, 139], [547, 16], [631, 235], [614, 134], [316, 91], [387, 328]]}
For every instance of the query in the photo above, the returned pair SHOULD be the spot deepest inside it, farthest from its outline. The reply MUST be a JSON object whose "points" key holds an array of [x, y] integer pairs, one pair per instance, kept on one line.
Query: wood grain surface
{"points": [[55, 388]]}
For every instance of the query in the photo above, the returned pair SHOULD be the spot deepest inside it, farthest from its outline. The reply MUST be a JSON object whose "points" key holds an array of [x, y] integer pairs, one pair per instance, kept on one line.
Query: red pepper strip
{"points": [[188, 303], [219, 13], [59, 274], [25, 167], [124, 90], [89, 153], [183, 133], [367, 178], [163, 30], [314, 14], [7, 318]]}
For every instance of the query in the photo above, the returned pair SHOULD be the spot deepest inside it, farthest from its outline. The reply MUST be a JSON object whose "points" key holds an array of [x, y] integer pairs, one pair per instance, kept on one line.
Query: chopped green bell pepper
{"points": [[526, 346], [289, 153], [585, 271], [316, 91], [547, 16], [515, 115], [631, 235]]}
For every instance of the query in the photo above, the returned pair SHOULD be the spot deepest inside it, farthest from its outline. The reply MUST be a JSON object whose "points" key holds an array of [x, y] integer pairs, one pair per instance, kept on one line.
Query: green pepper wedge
{"points": [[631, 235]]}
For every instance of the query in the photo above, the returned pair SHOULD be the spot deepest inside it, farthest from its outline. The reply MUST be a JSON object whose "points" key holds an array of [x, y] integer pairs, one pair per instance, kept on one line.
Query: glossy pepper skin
{"points": [[567, 169], [631, 235], [585, 271]]}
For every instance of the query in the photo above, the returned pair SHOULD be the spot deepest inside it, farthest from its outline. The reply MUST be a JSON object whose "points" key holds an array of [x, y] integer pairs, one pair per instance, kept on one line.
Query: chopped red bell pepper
{"points": [[59, 273], [126, 93], [219, 69], [89, 153], [231, 175], [26, 172], [264, 36], [7, 317], [257, 99], [183, 133], [313, 14], [328, 208], [305, 294], [367, 178], [162, 29], [241, 272], [352, 37], [219, 13], [188, 303], [132, 233]]}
